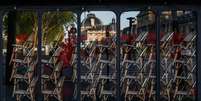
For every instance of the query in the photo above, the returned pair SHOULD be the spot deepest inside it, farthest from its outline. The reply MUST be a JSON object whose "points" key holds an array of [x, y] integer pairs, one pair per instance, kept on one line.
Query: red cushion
{"points": [[177, 38], [151, 37], [68, 89]]}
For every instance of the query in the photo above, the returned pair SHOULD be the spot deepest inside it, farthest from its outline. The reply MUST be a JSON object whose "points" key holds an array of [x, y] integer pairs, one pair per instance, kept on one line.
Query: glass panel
{"points": [[98, 52], [98, 72], [58, 55], [138, 40], [22, 54], [178, 57]]}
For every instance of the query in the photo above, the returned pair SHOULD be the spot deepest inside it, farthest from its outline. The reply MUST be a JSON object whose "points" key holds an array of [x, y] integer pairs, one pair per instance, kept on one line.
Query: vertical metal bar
{"points": [[10, 41], [1, 55], [118, 60], [78, 55], [157, 55], [174, 21], [39, 47], [12, 14], [198, 51]]}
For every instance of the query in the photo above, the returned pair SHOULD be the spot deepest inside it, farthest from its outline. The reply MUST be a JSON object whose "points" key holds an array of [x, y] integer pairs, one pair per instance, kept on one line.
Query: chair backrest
{"points": [[143, 52], [167, 37], [30, 52], [28, 44], [190, 37], [57, 52], [143, 38], [58, 66]]}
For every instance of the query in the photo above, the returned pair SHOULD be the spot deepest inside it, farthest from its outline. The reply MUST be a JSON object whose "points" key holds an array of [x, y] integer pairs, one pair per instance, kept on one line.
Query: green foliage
{"points": [[25, 22], [52, 25]]}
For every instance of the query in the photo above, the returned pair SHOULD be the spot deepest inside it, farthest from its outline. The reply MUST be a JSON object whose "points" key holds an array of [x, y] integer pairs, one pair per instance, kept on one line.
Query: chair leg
{"points": [[32, 97], [18, 97], [45, 97]]}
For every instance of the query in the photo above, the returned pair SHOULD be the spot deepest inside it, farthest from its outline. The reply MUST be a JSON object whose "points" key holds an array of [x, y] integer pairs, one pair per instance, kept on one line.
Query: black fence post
{"points": [[78, 55], [1, 56], [157, 12], [198, 51], [39, 52], [10, 42], [118, 57]]}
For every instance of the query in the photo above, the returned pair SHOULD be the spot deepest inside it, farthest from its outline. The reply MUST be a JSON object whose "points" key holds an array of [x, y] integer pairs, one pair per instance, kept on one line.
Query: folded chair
{"points": [[148, 72], [29, 92], [24, 74], [53, 73], [87, 78], [55, 92], [18, 58], [98, 71]]}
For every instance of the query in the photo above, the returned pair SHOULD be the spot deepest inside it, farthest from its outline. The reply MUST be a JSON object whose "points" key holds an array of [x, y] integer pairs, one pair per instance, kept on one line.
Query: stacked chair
{"points": [[23, 62], [178, 67], [166, 64], [178, 76], [98, 72], [88, 90], [147, 67], [51, 79], [130, 66], [105, 72]]}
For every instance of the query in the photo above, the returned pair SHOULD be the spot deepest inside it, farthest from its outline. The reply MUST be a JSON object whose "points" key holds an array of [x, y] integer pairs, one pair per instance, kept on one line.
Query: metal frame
{"points": [[38, 69], [118, 11], [158, 55], [78, 56], [118, 43], [1, 55], [198, 53], [122, 8]]}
